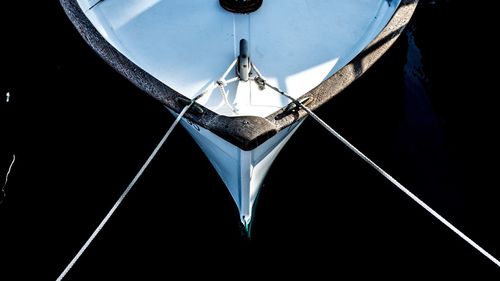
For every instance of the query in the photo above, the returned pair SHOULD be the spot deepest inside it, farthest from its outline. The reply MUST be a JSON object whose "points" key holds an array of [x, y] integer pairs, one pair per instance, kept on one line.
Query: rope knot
{"points": [[221, 83], [260, 82]]}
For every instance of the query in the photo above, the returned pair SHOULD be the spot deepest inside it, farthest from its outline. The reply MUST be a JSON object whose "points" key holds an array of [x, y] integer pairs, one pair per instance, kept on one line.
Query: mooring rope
{"points": [[384, 173], [127, 190]]}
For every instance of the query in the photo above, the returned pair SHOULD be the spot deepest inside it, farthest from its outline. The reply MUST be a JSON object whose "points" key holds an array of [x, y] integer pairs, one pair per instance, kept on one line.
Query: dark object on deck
{"points": [[243, 61], [241, 6]]}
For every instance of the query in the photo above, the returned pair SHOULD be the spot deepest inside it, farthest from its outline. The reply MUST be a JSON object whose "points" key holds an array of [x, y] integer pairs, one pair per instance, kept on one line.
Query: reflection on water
{"points": [[420, 134]]}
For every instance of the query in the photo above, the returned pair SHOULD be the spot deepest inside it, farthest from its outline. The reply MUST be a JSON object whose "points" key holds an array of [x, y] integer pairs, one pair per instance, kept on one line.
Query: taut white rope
{"points": [[389, 177], [132, 183]]}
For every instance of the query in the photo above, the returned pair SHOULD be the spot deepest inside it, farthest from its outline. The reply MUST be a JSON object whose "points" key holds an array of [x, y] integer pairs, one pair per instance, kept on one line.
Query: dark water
{"points": [[80, 132]]}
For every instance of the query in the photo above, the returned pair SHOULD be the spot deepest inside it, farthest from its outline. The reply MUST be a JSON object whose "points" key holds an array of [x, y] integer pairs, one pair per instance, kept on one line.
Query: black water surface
{"points": [[80, 131]]}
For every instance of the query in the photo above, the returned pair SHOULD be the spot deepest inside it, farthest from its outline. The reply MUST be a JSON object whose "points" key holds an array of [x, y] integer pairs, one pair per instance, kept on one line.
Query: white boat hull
{"points": [[241, 171], [176, 50]]}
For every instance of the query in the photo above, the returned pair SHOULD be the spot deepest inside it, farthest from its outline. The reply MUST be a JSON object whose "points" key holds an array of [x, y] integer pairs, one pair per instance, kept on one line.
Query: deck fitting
{"points": [[241, 6]]}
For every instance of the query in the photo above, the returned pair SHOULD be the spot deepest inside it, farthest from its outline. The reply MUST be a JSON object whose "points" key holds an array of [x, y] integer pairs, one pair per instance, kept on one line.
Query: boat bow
{"points": [[176, 50]]}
